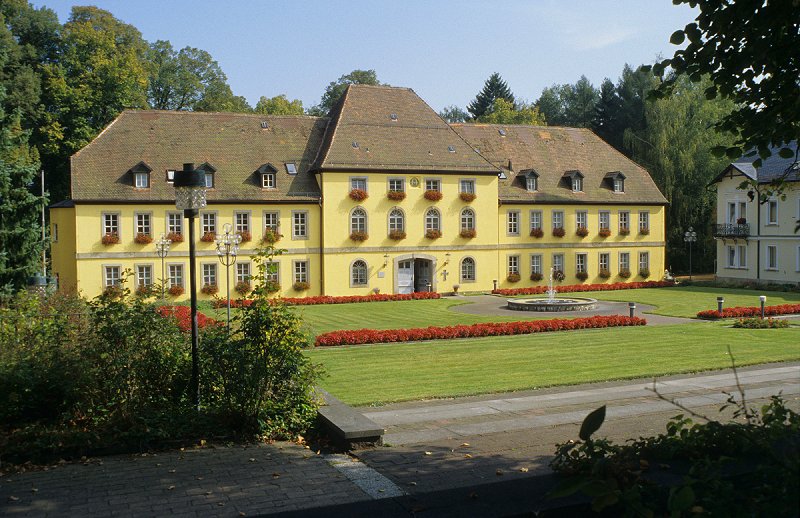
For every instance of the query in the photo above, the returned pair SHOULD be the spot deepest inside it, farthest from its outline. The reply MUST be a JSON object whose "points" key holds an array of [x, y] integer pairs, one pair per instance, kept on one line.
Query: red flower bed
{"points": [[752, 311], [375, 336], [327, 299], [534, 290], [183, 317]]}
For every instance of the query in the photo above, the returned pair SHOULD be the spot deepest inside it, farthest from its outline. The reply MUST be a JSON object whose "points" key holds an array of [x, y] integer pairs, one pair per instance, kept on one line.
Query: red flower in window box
{"points": [[467, 196], [582, 276], [271, 236], [625, 273], [176, 290], [397, 235], [244, 235], [558, 276], [604, 232], [536, 276], [300, 286], [605, 274], [433, 234], [468, 233], [210, 289], [396, 195], [243, 288], [359, 236], [208, 237], [175, 237], [644, 273], [358, 194], [644, 231], [624, 231], [582, 232], [143, 239], [433, 195], [537, 233], [110, 239], [513, 277], [144, 290], [559, 232]]}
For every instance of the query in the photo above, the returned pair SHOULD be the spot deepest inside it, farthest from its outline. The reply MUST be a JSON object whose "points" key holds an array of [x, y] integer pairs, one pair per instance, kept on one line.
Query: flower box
{"points": [[433, 234], [114, 291], [397, 235], [624, 231], [143, 239], [537, 290], [176, 290], [300, 286], [358, 236], [558, 276], [536, 276], [605, 274], [644, 273], [513, 277], [559, 232], [243, 288], [208, 237], [271, 286], [537, 233], [433, 195], [175, 237], [144, 290], [271, 236], [741, 221], [468, 233], [244, 235], [396, 195], [210, 289], [604, 232], [110, 239], [467, 196], [625, 273], [358, 195], [582, 232], [644, 231], [581, 276]]}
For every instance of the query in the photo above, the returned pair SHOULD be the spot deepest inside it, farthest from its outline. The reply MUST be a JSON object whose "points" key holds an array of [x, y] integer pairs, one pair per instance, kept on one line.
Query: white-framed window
{"points": [[619, 184], [536, 263], [513, 264], [624, 220], [397, 221], [624, 261], [772, 212], [209, 222], [243, 270], [468, 269], [577, 184], [272, 272], [466, 186], [268, 180], [144, 223], [358, 182], [300, 271], [558, 262], [111, 223], [175, 275], [299, 225], [358, 220], [54, 232], [358, 273], [605, 220], [797, 260], [272, 220], [558, 219], [731, 256], [174, 223], [536, 219], [741, 251], [580, 262], [433, 184], [141, 180], [144, 275], [209, 177], [737, 256], [772, 257], [291, 168], [736, 210], [644, 221], [512, 223], [170, 176], [467, 219], [209, 274], [397, 184], [644, 261], [604, 261], [531, 183], [581, 219], [111, 276], [241, 221], [432, 220]]}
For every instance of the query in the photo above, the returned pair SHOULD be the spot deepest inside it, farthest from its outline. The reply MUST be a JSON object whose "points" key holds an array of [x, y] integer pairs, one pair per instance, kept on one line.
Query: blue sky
{"points": [[443, 50]]}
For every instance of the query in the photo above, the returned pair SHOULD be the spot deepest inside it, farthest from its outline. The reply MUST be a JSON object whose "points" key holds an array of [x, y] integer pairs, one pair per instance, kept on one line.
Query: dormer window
{"points": [[615, 181], [268, 175], [619, 185], [575, 180], [209, 171], [141, 175], [531, 179], [209, 180], [170, 175]]}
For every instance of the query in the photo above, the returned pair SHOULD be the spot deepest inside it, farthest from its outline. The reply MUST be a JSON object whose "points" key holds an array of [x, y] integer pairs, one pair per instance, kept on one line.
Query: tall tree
{"points": [[494, 88], [279, 105], [569, 105], [336, 88], [552, 104], [505, 112], [453, 113], [606, 120]]}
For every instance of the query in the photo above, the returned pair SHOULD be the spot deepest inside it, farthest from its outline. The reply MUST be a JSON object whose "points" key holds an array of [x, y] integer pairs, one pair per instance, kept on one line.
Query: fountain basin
{"points": [[552, 305]]}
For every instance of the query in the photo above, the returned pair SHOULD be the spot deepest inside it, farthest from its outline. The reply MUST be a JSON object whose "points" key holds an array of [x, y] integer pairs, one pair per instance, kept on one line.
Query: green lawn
{"points": [[383, 373]]}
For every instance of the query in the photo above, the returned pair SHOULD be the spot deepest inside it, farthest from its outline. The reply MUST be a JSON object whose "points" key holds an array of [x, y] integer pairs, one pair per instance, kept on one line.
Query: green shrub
{"points": [[761, 323]]}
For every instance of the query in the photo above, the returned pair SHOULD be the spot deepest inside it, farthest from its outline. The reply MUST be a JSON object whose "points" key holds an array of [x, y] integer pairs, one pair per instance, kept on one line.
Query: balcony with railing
{"points": [[731, 230]]}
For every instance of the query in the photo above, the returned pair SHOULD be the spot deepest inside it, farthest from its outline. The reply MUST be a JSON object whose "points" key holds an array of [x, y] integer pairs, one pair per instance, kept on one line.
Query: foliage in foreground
{"points": [[748, 468]]}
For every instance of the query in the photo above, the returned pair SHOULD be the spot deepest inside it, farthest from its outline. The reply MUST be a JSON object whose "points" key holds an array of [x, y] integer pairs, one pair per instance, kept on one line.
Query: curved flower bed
{"points": [[535, 290], [375, 336], [751, 311], [326, 299], [183, 316]]}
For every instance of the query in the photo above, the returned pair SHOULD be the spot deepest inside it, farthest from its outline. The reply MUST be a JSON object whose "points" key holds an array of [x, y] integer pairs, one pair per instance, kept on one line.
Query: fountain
{"points": [[551, 303]]}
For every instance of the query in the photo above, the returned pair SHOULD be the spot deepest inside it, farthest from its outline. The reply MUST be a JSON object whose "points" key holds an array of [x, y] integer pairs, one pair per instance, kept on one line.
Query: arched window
{"points": [[467, 269], [358, 273], [397, 221], [432, 220], [467, 219], [358, 220]]}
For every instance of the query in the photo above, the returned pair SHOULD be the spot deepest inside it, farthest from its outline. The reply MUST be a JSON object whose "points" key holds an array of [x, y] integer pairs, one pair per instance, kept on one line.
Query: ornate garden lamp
{"points": [[690, 237], [162, 249], [227, 248], [190, 196]]}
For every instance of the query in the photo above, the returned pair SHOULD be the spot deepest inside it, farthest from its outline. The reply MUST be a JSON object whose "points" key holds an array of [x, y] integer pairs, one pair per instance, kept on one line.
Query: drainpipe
{"points": [[758, 235], [321, 245]]}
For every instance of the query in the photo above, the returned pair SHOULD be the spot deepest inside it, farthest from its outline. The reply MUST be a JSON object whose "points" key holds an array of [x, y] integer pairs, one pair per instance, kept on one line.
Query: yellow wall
{"points": [[62, 251]]}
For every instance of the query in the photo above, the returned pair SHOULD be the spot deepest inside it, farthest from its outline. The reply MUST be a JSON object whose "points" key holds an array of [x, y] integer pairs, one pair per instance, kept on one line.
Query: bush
{"points": [[396, 195], [358, 236], [433, 195], [358, 195], [433, 234], [582, 232], [468, 233], [761, 323], [110, 239], [143, 239], [397, 235], [537, 232], [559, 232], [467, 196]]}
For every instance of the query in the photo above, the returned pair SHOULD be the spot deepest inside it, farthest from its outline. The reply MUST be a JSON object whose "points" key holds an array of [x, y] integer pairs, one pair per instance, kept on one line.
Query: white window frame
{"points": [[558, 262], [358, 220], [433, 220], [210, 274], [300, 270], [470, 270], [512, 223], [209, 180], [393, 220], [243, 271], [171, 218], [144, 272], [644, 261], [272, 271], [399, 182], [241, 221], [512, 262], [141, 180], [604, 220], [268, 215], [772, 253], [110, 223], [536, 219], [558, 218], [625, 261], [731, 256], [644, 220], [299, 224], [208, 223], [466, 185], [531, 183], [112, 275], [175, 271], [624, 217], [360, 278], [581, 262], [772, 212], [604, 261], [144, 223], [467, 219], [536, 263], [741, 252], [433, 184], [619, 184], [581, 219], [359, 182], [577, 184], [268, 180]]}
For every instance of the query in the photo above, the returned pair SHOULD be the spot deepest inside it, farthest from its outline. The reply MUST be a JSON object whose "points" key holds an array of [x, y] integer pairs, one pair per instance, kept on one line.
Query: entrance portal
{"points": [[414, 275]]}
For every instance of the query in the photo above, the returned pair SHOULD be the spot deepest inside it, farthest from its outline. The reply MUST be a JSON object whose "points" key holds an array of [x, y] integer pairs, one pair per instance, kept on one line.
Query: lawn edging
{"points": [[375, 336], [572, 288], [751, 311]]}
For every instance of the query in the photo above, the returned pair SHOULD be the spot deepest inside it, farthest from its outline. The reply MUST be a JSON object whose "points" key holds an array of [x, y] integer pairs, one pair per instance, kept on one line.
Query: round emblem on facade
{"points": [[414, 181]]}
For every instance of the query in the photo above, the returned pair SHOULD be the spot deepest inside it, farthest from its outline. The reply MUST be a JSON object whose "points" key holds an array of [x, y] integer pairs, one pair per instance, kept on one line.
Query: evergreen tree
{"points": [[552, 105], [580, 103], [494, 88], [606, 121]]}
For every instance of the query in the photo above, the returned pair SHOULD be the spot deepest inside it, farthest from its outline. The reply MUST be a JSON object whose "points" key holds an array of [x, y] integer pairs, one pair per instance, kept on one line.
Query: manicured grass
{"points": [[687, 301], [369, 374]]}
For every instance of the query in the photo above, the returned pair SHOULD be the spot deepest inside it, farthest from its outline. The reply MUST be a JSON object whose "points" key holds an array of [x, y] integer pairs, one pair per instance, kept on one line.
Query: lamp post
{"points": [[690, 237], [763, 300], [162, 249], [227, 248], [190, 196]]}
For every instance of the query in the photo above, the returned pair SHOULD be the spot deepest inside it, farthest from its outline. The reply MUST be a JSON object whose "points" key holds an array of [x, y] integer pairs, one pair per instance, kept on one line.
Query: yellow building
{"points": [[381, 196]]}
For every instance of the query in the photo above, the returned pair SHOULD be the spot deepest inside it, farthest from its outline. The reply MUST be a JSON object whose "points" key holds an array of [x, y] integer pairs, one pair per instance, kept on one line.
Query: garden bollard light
{"points": [[495, 283], [720, 300], [763, 299], [631, 308]]}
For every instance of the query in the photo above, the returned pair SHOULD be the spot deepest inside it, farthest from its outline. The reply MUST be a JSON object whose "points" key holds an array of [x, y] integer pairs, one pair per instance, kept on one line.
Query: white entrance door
{"points": [[405, 277]]}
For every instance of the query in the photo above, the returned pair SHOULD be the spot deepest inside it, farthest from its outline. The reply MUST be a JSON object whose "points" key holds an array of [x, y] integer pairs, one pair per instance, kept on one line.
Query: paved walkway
{"points": [[455, 449]]}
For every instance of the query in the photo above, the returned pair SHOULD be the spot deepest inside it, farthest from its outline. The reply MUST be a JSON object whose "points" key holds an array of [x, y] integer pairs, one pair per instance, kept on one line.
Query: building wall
{"points": [[62, 251]]}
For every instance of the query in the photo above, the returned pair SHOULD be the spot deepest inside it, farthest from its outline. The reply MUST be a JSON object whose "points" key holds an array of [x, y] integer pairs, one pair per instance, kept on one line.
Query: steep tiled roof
{"points": [[773, 167], [552, 152], [236, 145], [394, 130]]}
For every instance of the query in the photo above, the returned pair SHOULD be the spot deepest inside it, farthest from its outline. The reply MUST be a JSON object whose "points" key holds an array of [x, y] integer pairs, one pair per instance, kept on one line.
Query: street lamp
{"points": [[190, 196], [690, 237], [227, 248], [162, 249]]}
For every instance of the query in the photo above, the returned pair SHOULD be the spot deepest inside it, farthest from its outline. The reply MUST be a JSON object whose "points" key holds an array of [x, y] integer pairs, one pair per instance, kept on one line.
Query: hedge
{"points": [[327, 299], [535, 290], [374, 336], [751, 311]]}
